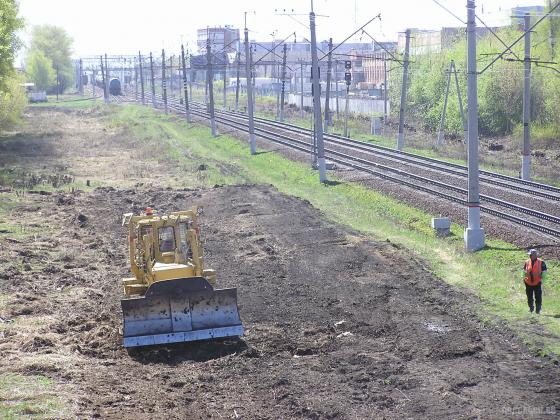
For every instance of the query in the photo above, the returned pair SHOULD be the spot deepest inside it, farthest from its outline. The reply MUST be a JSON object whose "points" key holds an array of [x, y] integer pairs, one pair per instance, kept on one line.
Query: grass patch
{"points": [[13, 226], [69, 101], [493, 274], [28, 396]]}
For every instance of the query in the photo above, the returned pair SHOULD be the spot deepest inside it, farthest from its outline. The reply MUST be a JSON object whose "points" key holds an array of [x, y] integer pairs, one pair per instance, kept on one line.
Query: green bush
{"points": [[13, 101], [500, 87]]}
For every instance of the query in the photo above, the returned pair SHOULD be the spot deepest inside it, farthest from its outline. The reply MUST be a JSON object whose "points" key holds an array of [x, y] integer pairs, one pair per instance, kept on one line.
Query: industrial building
{"points": [[221, 39]]}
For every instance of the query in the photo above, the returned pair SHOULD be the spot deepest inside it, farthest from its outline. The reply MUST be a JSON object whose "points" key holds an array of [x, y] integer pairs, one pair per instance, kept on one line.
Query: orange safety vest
{"points": [[533, 272]]}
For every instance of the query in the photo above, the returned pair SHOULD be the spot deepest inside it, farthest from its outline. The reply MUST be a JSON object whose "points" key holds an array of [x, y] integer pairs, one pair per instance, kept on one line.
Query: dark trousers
{"points": [[537, 291]]}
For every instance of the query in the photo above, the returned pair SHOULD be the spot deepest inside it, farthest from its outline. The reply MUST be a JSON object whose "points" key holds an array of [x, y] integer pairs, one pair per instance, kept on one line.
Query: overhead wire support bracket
{"points": [[353, 33], [382, 47], [519, 39], [272, 50], [450, 12], [497, 37]]}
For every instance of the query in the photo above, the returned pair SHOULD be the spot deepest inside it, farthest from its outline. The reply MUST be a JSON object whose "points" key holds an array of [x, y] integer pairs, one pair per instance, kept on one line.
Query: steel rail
{"points": [[412, 158], [347, 160], [502, 203], [289, 142]]}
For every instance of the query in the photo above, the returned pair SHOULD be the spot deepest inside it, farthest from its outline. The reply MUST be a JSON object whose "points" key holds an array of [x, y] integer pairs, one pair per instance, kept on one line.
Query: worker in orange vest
{"points": [[534, 273]]}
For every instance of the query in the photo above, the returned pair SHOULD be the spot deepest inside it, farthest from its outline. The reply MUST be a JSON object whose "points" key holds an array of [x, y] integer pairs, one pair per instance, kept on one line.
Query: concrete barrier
{"points": [[355, 105]]}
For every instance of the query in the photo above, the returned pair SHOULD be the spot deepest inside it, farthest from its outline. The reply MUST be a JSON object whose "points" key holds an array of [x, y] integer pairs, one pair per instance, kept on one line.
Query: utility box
{"points": [[329, 166], [376, 126], [40, 96], [442, 226]]}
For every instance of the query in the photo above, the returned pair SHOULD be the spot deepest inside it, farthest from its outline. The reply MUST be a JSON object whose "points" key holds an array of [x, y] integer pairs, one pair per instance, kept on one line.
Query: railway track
{"points": [[417, 172]]}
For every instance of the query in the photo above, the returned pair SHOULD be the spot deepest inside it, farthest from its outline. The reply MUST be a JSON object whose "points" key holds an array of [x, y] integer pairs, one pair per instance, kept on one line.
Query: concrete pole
{"points": [[274, 75], [317, 100], [237, 82], [346, 110], [441, 130], [283, 91], [336, 86], [163, 81], [152, 78], [460, 99], [253, 79], [171, 76], [526, 157], [135, 81], [250, 108], [57, 84], [107, 80], [474, 234], [301, 97], [81, 78], [76, 73], [224, 99], [103, 80], [93, 75], [552, 32], [142, 92], [185, 85], [328, 91], [400, 138], [206, 91], [191, 78], [123, 64], [210, 83], [385, 97]]}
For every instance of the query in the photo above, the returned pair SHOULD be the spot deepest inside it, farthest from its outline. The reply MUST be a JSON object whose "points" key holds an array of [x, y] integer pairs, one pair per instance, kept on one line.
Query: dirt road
{"points": [[338, 326]]}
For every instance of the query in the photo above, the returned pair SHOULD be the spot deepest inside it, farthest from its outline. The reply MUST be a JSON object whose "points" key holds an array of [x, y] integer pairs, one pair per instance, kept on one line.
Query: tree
{"points": [[41, 71], [9, 42], [55, 44], [12, 97]]}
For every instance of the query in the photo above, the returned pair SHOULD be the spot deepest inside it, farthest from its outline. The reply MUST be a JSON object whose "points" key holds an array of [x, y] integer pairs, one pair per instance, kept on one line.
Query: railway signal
{"points": [[348, 78]]}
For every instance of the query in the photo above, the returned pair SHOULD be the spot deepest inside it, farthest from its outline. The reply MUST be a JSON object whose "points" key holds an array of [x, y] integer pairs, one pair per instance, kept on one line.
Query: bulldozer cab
{"points": [[164, 247], [171, 297]]}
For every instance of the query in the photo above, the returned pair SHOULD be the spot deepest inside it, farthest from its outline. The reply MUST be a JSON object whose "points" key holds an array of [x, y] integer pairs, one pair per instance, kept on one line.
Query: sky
{"points": [[126, 26]]}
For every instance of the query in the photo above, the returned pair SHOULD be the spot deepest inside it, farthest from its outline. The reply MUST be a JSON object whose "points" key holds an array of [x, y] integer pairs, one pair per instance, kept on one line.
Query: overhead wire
{"points": [[450, 12], [519, 38]]}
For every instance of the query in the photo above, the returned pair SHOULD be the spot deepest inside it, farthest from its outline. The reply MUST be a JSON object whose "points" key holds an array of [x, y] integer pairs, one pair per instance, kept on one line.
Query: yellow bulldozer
{"points": [[171, 297]]}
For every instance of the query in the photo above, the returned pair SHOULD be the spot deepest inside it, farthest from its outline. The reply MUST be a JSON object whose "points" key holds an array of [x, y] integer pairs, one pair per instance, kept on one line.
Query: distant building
{"points": [[521, 10], [373, 68], [425, 41], [518, 13], [373, 64], [224, 39]]}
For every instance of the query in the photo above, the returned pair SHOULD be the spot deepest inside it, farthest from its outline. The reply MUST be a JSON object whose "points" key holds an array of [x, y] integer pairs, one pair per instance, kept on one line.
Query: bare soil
{"points": [[337, 325]]}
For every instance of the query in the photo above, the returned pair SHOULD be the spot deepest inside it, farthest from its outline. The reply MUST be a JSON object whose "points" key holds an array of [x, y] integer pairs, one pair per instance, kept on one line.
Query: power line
{"points": [[519, 38], [382, 47], [450, 12], [353, 33], [497, 37]]}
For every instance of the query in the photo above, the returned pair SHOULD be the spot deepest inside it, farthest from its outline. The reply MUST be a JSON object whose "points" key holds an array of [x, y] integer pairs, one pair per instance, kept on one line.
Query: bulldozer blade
{"points": [[179, 310]]}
